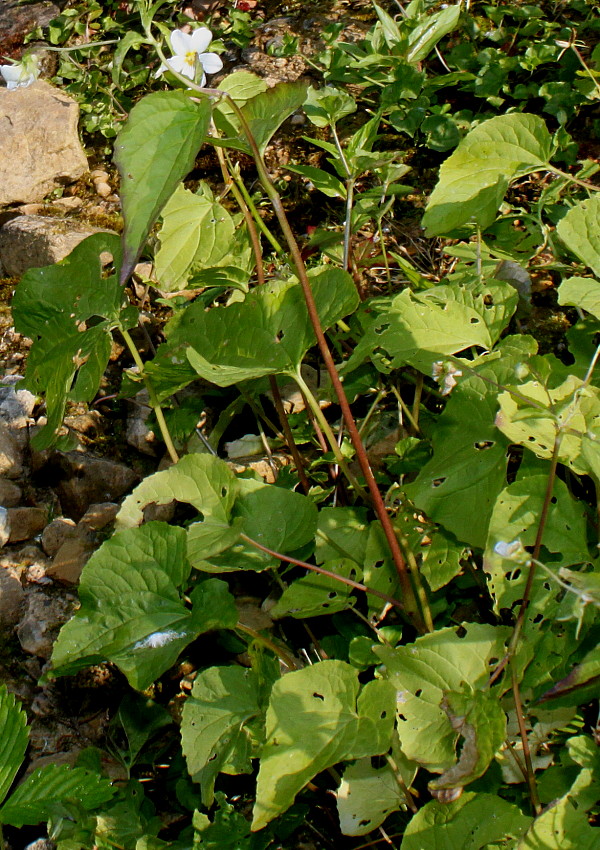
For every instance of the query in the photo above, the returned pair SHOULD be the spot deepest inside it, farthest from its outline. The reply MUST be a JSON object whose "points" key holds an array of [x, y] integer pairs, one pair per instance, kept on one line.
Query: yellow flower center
{"points": [[190, 58]]}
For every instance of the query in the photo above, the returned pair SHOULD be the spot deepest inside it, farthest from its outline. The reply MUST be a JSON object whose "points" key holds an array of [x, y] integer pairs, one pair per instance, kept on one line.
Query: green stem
{"points": [[531, 783], [255, 213], [330, 436], [585, 184], [160, 418], [287, 431], [349, 198]]}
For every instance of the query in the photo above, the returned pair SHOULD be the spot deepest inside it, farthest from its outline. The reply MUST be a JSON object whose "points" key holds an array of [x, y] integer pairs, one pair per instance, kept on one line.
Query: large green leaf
{"points": [[316, 718], [53, 306], [426, 35], [562, 826], [424, 671], [267, 333], [214, 729], [474, 179], [197, 234], [13, 741], [132, 612], [154, 151], [579, 231], [421, 328], [473, 822], [317, 594], [46, 791]]}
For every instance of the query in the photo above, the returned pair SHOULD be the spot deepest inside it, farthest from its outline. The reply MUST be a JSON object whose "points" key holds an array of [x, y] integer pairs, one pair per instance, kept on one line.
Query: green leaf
{"points": [[13, 741], [154, 151], [197, 233], [367, 794], [53, 306], [442, 559], [317, 594], [582, 292], [473, 822], [420, 328], [426, 35], [326, 106], [46, 791], [214, 725], [264, 114], [561, 827], [321, 180], [241, 86], [131, 609], [342, 533], [268, 333], [203, 481], [474, 179], [315, 719], [579, 231], [480, 719], [424, 671]]}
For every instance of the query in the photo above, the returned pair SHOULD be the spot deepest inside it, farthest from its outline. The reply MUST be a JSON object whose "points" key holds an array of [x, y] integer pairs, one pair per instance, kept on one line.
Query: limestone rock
{"points": [[10, 494], [11, 598], [71, 558], [55, 534], [40, 122], [25, 523], [33, 241], [44, 615], [99, 516], [11, 459], [16, 406]]}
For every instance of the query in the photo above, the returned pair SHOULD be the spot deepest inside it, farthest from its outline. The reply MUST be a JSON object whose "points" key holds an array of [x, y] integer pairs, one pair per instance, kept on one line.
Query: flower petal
{"points": [[181, 42], [200, 39], [179, 64], [11, 73], [211, 62]]}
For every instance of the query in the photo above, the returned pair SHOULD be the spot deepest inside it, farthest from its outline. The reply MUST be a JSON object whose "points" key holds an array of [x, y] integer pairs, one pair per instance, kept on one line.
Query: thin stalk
{"points": [[384, 253], [531, 783], [350, 181], [250, 223], [380, 394], [418, 584], [355, 584], [276, 650], [585, 184], [287, 431], [401, 784], [417, 402], [160, 417], [255, 213], [329, 435], [405, 409]]}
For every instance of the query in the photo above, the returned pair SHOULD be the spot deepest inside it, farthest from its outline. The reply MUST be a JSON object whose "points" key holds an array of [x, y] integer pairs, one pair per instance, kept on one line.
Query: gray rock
{"points": [[71, 558], [99, 516], [11, 598], [11, 458], [55, 534], [44, 615], [40, 122], [87, 480], [34, 241], [16, 406], [10, 494], [25, 523]]}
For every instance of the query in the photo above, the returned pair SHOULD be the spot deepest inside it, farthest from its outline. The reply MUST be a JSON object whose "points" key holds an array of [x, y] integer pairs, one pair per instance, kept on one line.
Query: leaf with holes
{"points": [[368, 794], [420, 328], [215, 732], [424, 671], [474, 179], [317, 594], [472, 822], [316, 718]]}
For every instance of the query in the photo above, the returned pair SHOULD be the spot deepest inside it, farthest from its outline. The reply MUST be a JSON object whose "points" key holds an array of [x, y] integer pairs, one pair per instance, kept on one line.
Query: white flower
{"points": [[21, 74], [189, 56], [445, 373]]}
